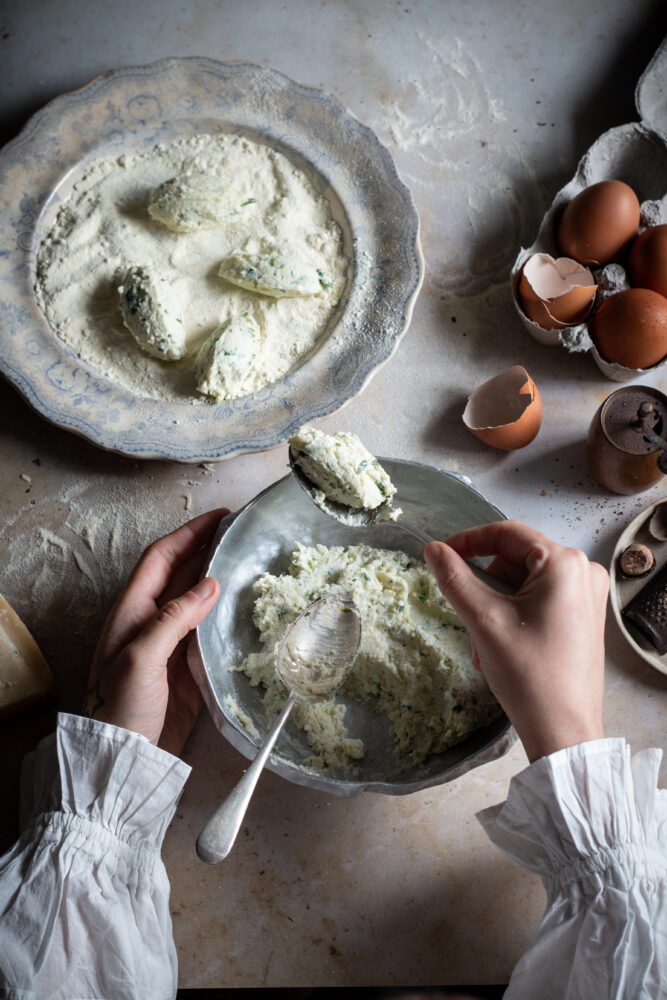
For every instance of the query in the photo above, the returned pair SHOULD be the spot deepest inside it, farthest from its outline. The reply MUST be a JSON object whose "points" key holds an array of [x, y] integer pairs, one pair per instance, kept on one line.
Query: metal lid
{"points": [[634, 419]]}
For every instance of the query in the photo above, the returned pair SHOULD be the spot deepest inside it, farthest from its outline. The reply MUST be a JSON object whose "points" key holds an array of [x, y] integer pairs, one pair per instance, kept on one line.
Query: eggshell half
{"points": [[506, 411], [555, 293]]}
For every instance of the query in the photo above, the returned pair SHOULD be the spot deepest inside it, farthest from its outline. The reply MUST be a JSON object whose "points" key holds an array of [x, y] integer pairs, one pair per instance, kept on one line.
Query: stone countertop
{"points": [[486, 108]]}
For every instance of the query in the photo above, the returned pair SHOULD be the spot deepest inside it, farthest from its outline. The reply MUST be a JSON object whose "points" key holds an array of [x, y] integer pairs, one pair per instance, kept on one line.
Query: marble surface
{"points": [[486, 108]]}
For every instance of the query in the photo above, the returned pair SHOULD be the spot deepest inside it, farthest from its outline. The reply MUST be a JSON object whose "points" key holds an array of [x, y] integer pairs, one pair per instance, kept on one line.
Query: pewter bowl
{"points": [[259, 538]]}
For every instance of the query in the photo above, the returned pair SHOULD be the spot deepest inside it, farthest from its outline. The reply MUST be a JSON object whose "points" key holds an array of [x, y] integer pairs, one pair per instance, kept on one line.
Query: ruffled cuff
{"points": [[576, 813], [106, 776], [84, 896]]}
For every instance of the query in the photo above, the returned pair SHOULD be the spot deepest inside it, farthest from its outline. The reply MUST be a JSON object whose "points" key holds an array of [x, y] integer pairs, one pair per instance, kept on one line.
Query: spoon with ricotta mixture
{"points": [[347, 483], [314, 657], [342, 477]]}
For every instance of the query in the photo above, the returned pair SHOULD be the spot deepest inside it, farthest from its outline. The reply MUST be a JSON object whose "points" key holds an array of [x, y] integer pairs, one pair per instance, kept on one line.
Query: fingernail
{"points": [[205, 588]]}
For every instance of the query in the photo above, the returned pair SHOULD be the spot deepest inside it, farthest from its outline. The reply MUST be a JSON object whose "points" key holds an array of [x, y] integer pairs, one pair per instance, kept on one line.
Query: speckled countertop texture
{"points": [[487, 108]]}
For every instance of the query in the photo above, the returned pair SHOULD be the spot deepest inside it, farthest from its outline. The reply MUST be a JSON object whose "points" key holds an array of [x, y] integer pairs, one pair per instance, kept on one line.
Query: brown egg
{"points": [[506, 411], [630, 328], [555, 293], [647, 263], [598, 224]]}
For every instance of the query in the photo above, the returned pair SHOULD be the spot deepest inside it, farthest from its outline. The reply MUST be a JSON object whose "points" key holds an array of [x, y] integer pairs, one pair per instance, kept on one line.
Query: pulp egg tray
{"points": [[637, 154]]}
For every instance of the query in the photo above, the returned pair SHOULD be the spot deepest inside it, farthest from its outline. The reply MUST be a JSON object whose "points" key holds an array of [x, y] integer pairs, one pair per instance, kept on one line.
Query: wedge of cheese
{"points": [[25, 678]]}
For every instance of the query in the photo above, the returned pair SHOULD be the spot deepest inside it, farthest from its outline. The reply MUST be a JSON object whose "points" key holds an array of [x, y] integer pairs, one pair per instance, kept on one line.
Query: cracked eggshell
{"points": [[556, 293], [506, 411], [636, 154]]}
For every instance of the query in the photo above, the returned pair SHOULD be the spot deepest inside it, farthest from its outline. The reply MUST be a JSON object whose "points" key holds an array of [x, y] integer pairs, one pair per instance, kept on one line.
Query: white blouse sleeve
{"points": [[84, 895], [592, 823]]}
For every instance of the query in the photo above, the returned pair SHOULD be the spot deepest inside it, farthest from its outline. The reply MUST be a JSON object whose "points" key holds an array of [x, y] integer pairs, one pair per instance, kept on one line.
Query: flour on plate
{"points": [[414, 663], [104, 228]]}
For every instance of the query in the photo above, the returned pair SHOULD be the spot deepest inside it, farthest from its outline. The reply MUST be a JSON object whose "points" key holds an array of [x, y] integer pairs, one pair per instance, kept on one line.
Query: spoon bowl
{"points": [[319, 649], [354, 517]]}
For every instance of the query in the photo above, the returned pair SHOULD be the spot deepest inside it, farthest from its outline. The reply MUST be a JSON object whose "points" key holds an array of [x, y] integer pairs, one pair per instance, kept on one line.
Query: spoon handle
{"points": [[217, 838], [491, 581]]}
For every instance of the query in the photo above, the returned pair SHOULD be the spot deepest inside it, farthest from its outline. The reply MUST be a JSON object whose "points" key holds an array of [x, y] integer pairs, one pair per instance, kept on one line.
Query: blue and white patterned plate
{"points": [[130, 110]]}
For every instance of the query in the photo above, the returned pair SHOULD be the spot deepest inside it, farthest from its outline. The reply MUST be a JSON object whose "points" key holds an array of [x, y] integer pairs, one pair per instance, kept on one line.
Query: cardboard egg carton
{"points": [[637, 154]]}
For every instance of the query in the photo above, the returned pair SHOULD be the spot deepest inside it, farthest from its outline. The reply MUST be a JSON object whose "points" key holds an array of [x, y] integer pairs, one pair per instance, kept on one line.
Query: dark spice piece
{"points": [[637, 560]]}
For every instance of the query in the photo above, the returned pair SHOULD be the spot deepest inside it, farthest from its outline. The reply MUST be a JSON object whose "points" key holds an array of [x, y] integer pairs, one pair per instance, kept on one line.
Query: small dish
{"points": [[622, 590]]}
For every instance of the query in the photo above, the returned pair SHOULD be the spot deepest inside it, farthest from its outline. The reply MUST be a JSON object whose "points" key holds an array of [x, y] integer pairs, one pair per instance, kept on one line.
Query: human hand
{"points": [[542, 649], [139, 677]]}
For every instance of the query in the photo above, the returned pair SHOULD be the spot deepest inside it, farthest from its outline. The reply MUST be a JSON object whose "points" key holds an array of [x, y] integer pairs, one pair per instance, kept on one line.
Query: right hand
{"points": [[542, 649]]}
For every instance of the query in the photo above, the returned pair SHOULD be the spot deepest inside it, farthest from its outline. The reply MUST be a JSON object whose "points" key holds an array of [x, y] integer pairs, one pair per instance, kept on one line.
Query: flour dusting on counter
{"points": [[105, 228]]}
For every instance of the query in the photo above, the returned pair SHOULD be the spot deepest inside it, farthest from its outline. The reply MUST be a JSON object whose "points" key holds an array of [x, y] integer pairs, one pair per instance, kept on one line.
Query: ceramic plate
{"points": [[260, 539], [128, 111], [622, 590]]}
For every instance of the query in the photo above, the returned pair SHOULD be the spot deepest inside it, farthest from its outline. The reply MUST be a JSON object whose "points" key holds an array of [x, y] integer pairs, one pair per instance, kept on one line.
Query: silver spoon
{"points": [[362, 517], [314, 658]]}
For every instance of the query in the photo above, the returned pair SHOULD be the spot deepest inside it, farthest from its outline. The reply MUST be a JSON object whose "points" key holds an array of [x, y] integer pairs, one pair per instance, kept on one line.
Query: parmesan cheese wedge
{"points": [[25, 678]]}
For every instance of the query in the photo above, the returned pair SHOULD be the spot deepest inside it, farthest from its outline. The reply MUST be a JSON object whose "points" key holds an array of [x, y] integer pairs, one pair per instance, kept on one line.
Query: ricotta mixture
{"points": [[271, 274], [414, 662], [178, 214], [227, 358], [342, 468], [191, 202], [151, 314]]}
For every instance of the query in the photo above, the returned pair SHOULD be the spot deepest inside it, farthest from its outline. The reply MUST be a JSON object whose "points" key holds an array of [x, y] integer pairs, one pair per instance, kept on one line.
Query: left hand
{"points": [[139, 677]]}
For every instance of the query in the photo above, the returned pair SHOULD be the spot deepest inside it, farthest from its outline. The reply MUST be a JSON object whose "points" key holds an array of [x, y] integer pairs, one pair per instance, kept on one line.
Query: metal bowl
{"points": [[258, 539]]}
